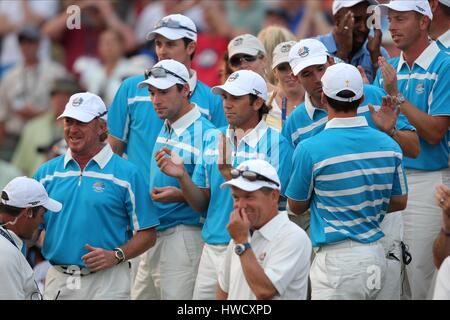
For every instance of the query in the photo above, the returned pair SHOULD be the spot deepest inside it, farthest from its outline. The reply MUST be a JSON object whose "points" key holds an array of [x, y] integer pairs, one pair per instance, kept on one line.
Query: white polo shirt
{"points": [[283, 250], [16, 275]]}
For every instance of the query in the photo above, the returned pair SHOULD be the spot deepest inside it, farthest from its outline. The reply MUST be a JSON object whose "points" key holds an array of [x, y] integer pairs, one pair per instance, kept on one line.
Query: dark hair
{"points": [[343, 106], [180, 88], [12, 211], [264, 108], [186, 43]]}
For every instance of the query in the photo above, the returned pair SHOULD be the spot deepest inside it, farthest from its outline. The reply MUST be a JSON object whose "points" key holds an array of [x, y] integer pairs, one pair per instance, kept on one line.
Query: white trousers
{"points": [[109, 284], [208, 271], [168, 270], [348, 271], [422, 222]]}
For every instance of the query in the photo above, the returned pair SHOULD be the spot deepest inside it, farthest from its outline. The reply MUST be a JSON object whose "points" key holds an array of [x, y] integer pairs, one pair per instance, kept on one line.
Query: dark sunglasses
{"points": [[160, 72], [173, 24], [283, 67], [251, 176], [236, 61]]}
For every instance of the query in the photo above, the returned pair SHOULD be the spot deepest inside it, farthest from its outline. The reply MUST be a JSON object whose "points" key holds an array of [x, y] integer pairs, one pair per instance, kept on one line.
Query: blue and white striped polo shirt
{"points": [[306, 120], [185, 138], [444, 42], [132, 119], [102, 205], [426, 86], [262, 142], [349, 171]]}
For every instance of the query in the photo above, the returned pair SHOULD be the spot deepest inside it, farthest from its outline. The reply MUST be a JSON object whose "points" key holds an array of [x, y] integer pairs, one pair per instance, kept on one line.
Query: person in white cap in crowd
{"points": [[440, 26], [418, 78], [247, 137], [23, 203], [246, 52], [105, 199], [268, 256], [168, 270], [350, 175], [350, 39], [289, 92], [132, 122]]}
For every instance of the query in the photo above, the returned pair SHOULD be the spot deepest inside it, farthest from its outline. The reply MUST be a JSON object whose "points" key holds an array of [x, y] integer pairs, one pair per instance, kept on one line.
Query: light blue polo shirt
{"points": [[427, 87], [349, 171], [185, 138], [443, 42], [133, 120], [102, 205], [307, 121], [361, 58], [262, 142]]}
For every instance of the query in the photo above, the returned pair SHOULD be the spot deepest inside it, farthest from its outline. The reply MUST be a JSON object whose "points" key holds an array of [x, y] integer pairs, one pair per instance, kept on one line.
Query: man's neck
{"points": [[332, 114], [411, 54], [245, 128], [183, 111], [83, 159], [31, 63], [316, 103], [439, 30]]}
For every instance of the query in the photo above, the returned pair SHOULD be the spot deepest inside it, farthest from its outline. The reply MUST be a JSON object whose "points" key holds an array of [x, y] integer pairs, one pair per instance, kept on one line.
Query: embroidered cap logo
{"points": [[77, 101], [303, 52], [233, 77]]}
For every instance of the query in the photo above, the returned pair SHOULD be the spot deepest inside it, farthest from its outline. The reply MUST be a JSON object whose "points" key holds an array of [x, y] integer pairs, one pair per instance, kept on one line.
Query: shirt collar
{"points": [[352, 122], [425, 59], [16, 239], [192, 80], [102, 158], [251, 138], [185, 121], [445, 39], [270, 230], [310, 109]]}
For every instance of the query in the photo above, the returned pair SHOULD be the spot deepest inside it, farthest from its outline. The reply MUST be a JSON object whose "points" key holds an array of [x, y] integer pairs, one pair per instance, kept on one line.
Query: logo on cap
{"points": [[238, 42], [347, 83], [233, 77], [303, 52], [33, 203], [285, 48], [77, 101], [256, 92], [420, 9]]}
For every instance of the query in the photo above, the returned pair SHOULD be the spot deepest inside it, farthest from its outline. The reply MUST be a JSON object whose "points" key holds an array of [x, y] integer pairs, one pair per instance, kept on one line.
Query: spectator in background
{"points": [[270, 37], [440, 26], [103, 75], [245, 16], [14, 15], [96, 16], [25, 90], [9, 172], [350, 40], [43, 129]]}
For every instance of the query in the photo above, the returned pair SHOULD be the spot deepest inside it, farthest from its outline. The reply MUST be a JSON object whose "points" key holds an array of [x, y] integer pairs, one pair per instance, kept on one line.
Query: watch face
{"points": [[119, 254], [239, 249]]}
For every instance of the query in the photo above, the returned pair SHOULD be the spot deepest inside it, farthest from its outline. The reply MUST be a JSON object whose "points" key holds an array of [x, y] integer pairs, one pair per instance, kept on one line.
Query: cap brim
{"points": [[160, 83], [278, 62], [171, 34], [53, 205], [249, 51], [77, 115], [308, 62], [247, 185], [229, 88]]}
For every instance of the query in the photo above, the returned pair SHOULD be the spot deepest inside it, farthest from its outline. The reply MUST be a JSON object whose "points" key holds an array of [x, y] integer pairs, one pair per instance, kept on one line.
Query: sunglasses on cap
{"points": [[173, 24], [251, 176], [160, 72], [236, 61]]}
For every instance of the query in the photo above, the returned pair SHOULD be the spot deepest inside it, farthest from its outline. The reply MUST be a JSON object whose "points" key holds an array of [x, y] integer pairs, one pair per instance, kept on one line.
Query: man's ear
{"points": [[191, 47], [257, 104]]}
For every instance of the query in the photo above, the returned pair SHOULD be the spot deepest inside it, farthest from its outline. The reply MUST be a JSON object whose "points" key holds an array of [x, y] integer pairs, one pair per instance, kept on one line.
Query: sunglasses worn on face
{"points": [[160, 72], [236, 61], [173, 24], [251, 176], [284, 67]]}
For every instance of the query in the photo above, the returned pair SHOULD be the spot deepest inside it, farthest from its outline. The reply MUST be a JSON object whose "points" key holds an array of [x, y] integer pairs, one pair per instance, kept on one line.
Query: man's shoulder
{"points": [[50, 166]]}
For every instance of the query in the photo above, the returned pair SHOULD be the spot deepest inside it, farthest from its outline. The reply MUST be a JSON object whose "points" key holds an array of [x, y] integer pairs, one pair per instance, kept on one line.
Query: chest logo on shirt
{"points": [[98, 186], [420, 88]]}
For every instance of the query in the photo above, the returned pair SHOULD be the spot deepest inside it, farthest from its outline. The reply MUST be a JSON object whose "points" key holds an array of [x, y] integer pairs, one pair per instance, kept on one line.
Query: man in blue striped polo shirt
{"points": [[247, 137], [350, 175], [168, 270], [104, 200], [132, 122], [440, 26], [419, 78]]}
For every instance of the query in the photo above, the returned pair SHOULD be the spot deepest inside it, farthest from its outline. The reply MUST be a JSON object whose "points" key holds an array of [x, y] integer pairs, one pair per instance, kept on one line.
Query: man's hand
{"points": [[374, 45], [343, 36], [167, 194], [363, 75], [225, 158], [99, 259], [173, 165], [386, 117], [443, 199], [389, 77], [239, 226]]}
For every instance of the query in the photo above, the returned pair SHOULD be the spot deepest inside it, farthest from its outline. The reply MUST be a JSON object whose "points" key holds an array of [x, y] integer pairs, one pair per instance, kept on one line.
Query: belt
{"points": [[72, 270], [180, 227], [345, 244]]}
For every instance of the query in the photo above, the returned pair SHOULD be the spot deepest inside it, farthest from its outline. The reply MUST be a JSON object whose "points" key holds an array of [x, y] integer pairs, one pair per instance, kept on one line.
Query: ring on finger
{"points": [[442, 200], [346, 28]]}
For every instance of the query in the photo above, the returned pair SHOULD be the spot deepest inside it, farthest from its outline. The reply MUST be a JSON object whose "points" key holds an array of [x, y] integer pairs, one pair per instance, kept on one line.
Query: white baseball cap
{"points": [[243, 82], [174, 27], [165, 74], [23, 192], [340, 77], [245, 44], [420, 6], [339, 4], [266, 176], [445, 2], [85, 107], [305, 53], [281, 53]]}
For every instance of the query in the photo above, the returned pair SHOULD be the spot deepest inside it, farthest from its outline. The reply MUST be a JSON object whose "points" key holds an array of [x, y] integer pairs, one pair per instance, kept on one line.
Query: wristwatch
{"points": [[400, 98], [393, 131], [119, 254], [241, 247]]}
